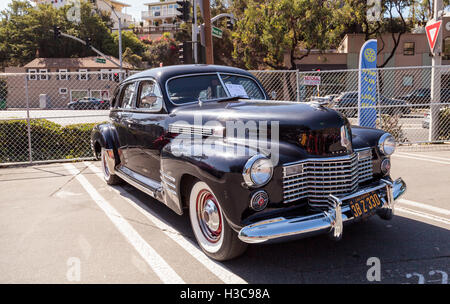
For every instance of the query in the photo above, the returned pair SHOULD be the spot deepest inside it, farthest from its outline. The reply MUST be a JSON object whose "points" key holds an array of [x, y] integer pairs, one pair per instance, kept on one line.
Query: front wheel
{"points": [[211, 229]]}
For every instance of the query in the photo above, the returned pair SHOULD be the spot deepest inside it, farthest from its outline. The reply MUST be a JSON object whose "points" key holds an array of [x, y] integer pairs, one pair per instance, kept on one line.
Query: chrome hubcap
{"points": [[210, 215]]}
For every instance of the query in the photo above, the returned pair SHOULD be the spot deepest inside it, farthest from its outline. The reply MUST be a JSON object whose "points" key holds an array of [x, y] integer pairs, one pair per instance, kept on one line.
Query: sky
{"points": [[137, 6]]}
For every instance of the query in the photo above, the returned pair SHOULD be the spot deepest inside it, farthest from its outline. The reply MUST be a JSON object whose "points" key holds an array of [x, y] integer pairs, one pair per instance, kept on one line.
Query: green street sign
{"points": [[100, 60], [217, 32]]}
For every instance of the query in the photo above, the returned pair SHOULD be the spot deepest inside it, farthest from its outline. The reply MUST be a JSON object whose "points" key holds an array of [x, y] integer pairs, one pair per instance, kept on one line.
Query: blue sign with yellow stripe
{"points": [[367, 84]]}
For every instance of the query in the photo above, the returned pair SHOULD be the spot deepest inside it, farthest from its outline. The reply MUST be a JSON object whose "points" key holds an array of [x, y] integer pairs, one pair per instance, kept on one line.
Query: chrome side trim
{"points": [[329, 221], [145, 184]]}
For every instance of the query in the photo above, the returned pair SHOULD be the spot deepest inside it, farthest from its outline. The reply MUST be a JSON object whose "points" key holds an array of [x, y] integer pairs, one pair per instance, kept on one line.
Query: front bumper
{"points": [[331, 221]]}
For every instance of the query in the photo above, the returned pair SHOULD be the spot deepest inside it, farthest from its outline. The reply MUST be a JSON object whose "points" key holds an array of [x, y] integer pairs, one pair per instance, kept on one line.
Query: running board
{"points": [[145, 184]]}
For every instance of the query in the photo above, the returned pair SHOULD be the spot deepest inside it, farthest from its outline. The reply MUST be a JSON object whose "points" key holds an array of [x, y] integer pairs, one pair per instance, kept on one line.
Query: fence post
{"points": [[378, 97], [298, 85], [30, 156]]}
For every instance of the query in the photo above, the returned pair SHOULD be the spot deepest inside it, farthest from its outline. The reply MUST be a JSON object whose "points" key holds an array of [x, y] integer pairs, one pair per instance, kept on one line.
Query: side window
{"points": [[150, 96], [127, 96]]}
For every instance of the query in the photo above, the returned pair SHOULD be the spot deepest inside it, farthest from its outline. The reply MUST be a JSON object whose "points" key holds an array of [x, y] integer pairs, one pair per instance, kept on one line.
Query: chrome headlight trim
{"points": [[247, 171], [381, 144]]}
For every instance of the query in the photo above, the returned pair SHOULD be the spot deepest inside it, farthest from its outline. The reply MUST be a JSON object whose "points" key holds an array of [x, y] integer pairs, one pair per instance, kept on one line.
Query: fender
{"points": [[220, 170], [105, 136]]}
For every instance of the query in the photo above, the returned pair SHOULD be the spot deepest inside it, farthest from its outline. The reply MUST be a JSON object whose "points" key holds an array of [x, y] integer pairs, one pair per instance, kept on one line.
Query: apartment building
{"points": [[159, 17], [103, 5], [62, 80]]}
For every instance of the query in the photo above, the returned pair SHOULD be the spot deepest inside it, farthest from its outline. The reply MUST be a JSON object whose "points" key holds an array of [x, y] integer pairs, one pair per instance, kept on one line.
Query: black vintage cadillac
{"points": [[207, 140]]}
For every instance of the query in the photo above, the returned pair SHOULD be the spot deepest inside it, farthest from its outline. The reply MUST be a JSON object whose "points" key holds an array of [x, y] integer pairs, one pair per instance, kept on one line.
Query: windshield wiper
{"points": [[231, 98]]}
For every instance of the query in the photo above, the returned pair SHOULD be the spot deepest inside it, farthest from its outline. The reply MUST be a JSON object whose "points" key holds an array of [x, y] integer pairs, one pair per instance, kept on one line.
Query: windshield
{"points": [[188, 89]]}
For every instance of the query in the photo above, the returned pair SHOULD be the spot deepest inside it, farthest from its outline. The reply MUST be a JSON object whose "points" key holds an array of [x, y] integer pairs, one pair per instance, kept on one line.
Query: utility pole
{"points": [[194, 31], [436, 62], [208, 35]]}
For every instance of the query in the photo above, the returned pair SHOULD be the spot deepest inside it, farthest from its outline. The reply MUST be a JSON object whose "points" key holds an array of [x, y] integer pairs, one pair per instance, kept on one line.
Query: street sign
{"points": [[100, 60], [432, 31], [311, 80], [216, 32]]}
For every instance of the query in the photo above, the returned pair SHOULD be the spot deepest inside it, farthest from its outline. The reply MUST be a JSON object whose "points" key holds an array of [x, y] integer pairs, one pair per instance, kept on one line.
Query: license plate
{"points": [[364, 204]]}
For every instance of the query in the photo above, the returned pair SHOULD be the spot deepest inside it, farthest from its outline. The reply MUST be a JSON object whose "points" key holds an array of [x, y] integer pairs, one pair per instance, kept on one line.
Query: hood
{"points": [[317, 130]]}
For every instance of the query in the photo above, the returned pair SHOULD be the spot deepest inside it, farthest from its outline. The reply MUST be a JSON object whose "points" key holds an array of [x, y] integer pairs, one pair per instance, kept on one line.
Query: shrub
{"points": [[49, 140], [391, 124]]}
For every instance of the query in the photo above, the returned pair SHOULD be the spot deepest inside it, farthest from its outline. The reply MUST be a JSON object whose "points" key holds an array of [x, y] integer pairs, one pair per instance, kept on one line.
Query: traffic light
{"points": [[229, 25], [56, 32], [184, 7], [116, 77], [88, 43], [185, 52]]}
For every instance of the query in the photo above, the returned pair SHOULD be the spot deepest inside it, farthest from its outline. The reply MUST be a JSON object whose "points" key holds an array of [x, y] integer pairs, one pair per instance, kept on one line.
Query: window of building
{"points": [[408, 48], [446, 53], [43, 74], [83, 74], [32, 74], [62, 74], [408, 80], [105, 74]]}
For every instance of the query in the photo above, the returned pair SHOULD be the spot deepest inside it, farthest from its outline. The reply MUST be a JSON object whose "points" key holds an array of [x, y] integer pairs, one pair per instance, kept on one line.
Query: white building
{"points": [[103, 5]]}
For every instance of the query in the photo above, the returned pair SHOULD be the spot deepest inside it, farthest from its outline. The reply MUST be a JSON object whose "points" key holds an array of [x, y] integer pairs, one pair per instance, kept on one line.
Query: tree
{"points": [[163, 50], [26, 30], [268, 29]]}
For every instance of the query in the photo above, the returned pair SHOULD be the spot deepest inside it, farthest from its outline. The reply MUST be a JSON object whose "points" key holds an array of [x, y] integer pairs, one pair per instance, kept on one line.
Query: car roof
{"points": [[164, 73]]}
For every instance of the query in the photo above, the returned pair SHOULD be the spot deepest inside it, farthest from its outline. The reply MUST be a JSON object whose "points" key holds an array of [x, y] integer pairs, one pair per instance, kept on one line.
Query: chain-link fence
{"points": [[49, 116], [402, 104]]}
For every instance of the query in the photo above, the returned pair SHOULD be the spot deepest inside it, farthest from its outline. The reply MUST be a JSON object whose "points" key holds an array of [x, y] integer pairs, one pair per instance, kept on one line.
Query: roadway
{"points": [[60, 223]]}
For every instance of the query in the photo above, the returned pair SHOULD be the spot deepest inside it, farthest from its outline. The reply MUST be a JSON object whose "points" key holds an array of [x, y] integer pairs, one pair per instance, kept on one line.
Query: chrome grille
{"points": [[316, 179]]}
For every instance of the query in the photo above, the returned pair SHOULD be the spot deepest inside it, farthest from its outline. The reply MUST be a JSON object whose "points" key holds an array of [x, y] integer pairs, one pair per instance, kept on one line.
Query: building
{"points": [[63, 80], [413, 50], [160, 17], [103, 5]]}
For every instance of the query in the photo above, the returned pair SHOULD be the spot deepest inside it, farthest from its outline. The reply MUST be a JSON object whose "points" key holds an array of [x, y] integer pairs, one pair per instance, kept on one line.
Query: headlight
{"points": [[257, 171], [386, 144]]}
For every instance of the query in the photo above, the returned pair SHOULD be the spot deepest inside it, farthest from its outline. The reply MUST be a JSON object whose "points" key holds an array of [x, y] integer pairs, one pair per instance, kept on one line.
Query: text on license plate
{"points": [[365, 203]]}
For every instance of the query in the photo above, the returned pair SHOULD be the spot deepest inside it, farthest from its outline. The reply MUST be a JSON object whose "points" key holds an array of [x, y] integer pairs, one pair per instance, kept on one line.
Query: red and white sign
{"points": [[311, 80], [432, 31]]}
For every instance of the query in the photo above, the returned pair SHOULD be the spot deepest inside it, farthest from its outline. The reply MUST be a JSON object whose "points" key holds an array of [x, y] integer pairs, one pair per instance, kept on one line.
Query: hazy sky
{"points": [[135, 10]]}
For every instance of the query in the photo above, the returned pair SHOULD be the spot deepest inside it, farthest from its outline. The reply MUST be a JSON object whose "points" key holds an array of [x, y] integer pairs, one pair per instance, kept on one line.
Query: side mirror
{"points": [[149, 100]]}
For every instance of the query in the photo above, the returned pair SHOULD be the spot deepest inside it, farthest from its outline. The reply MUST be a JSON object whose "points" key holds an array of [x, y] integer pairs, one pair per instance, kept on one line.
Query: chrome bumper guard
{"points": [[330, 221]]}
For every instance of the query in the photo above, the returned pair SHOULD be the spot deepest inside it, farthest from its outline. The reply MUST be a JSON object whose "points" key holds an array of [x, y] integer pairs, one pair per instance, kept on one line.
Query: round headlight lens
{"points": [[386, 144], [258, 171]]}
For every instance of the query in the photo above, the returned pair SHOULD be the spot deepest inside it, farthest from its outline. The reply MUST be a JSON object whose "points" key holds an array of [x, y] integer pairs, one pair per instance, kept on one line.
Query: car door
{"points": [[147, 126], [121, 118]]}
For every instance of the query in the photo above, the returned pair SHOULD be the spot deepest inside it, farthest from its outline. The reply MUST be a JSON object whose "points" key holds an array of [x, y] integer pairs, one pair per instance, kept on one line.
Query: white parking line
{"points": [[426, 156], [216, 268], [423, 215], [438, 210], [153, 259], [421, 158]]}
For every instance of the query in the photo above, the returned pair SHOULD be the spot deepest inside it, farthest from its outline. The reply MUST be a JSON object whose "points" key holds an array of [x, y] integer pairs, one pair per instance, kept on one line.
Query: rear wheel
{"points": [[211, 229], [111, 179]]}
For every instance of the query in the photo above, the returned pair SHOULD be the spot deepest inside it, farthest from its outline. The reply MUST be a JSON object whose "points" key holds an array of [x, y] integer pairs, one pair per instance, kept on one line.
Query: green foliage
{"points": [[26, 30], [391, 124], [163, 50], [48, 140], [444, 124], [268, 29]]}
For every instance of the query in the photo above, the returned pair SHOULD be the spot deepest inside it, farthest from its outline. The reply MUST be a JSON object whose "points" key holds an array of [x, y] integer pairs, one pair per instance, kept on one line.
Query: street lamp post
{"points": [[120, 33]]}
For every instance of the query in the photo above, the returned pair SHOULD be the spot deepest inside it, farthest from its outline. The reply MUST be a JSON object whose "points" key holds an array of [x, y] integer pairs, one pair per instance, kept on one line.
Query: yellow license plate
{"points": [[364, 204]]}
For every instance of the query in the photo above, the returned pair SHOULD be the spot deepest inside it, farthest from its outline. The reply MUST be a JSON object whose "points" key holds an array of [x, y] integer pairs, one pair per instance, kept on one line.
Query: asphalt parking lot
{"points": [[60, 223]]}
